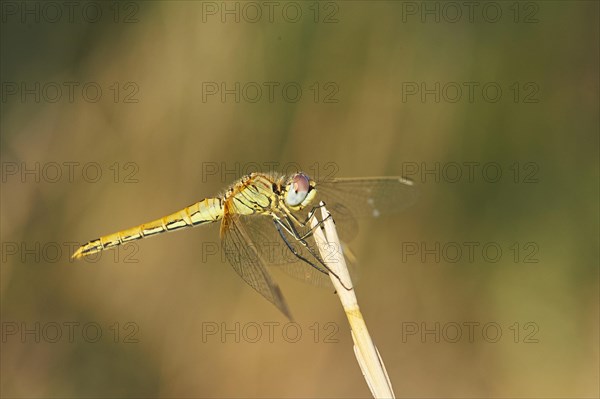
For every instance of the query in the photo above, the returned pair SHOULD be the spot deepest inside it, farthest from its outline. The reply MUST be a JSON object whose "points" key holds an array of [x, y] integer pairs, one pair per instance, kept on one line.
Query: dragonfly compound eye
{"points": [[297, 190]]}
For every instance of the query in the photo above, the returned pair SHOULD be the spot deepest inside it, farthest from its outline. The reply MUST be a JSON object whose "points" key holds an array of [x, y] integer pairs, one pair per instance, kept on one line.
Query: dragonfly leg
{"points": [[309, 216], [289, 226], [289, 216], [278, 225], [320, 224], [301, 239]]}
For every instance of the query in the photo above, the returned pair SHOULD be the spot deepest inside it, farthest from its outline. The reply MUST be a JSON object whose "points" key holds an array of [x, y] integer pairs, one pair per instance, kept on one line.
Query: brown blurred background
{"points": [[158, 130]]}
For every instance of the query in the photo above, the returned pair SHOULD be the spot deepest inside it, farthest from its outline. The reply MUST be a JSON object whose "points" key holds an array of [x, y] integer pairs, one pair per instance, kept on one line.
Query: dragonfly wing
{"points": [[372, 196], [278, 256], [350, 198], [248, 262]]}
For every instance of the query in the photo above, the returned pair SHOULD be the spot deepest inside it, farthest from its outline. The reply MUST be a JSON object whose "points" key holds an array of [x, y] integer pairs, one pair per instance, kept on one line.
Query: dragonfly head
{"points": [[299, 191]]}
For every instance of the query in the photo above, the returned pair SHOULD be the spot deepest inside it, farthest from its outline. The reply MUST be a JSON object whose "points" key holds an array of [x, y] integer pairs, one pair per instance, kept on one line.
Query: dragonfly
{"points": [[265, 220]]}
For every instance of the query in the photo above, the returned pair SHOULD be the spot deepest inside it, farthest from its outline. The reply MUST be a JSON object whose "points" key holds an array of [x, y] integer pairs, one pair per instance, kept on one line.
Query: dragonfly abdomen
{"points": [[208, 210]]}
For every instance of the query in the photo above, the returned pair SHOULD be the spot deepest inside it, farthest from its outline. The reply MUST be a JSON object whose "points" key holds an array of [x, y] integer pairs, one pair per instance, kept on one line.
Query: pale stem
{"points": [[366, 352]]}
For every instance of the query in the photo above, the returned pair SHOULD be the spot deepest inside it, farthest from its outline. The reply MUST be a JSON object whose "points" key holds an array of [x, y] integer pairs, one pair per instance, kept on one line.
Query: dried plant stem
{"points": [[366, 352]]}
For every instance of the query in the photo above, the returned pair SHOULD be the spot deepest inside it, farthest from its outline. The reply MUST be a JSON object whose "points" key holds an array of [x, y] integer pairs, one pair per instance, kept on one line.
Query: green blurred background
{"points": [[364, 56]]}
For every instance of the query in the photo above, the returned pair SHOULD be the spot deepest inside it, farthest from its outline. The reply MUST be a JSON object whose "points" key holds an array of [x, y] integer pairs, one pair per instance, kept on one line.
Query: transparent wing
{"points": [[350, 198], [278, 256], [248, 262]]}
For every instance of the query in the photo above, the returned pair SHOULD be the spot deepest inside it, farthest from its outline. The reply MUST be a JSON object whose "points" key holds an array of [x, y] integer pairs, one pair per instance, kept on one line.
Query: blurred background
{"points": [[114, 114]]}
